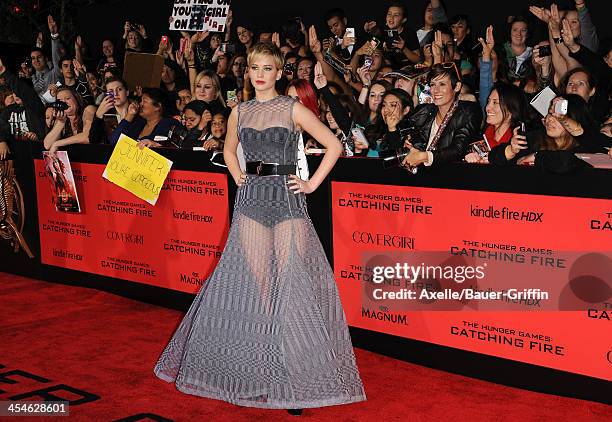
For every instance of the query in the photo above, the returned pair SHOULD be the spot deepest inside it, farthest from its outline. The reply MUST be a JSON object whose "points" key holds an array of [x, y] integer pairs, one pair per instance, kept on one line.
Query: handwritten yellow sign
{"points": [[139, 171]]}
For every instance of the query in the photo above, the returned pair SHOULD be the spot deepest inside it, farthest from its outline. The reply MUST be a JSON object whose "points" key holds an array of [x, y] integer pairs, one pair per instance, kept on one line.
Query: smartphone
{"points": [[561, 107], [393, 35], [350, 32], [348, 145], [359, 135], [164, 39], [544, 51], [231, 96], [223, 48], [424, 93], [111, 95], [182, 45], [367, 61], [522, 131], [374, 42], [111, 121]]}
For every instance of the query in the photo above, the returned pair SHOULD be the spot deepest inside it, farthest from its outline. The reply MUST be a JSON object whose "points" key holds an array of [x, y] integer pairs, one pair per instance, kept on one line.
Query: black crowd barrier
{"points": [[587, 183]]}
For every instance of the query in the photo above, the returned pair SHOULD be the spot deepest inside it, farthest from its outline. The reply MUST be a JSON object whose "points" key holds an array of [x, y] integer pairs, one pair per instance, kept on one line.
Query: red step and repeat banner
{"points": [[175, 244], [522, 277]]}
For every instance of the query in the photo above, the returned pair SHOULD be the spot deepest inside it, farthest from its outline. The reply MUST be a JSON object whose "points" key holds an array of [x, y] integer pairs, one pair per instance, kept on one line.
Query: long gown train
{"points": [[267, 329]]}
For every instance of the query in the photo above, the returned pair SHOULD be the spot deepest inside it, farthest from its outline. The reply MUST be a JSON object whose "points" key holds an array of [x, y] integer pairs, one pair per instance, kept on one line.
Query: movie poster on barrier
{"points": [[198, 15], [175, 244], [61, 181], [509, 275]]}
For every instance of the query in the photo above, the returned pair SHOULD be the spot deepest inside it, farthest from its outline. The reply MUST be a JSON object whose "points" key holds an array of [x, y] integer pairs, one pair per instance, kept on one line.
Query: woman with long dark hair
{"points": [[506, 109], [553, 146], [385, 133]]}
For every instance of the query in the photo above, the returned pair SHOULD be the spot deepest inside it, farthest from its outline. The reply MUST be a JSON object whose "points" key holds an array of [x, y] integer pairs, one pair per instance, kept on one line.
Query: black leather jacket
{"points": [[462, 129]]}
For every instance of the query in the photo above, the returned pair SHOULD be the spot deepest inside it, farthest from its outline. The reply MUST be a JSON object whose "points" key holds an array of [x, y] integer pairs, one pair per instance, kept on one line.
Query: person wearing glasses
{"points": [[237, 68], [268, 330], [445, 127], [553, 146]]}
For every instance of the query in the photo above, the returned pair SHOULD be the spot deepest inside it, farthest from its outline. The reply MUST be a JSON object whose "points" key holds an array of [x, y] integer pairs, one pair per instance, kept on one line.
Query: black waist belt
{"points": [[269, 169]]}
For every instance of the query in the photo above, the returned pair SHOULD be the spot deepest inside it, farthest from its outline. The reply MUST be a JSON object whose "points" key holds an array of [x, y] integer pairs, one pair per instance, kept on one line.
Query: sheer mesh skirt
{"points": [[267, 329]]}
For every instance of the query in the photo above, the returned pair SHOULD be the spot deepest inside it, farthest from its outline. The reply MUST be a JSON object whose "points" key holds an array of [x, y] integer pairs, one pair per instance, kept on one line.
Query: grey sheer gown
{"points": [[267, 329]]}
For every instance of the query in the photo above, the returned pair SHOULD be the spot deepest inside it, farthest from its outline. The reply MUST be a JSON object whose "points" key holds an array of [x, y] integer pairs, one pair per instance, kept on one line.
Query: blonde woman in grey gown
{"points": [[267, 329]]}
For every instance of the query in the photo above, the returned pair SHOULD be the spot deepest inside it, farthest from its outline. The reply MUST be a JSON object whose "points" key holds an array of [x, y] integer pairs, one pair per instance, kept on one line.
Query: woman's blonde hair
{"points": [[215, 83], [266, 49]]}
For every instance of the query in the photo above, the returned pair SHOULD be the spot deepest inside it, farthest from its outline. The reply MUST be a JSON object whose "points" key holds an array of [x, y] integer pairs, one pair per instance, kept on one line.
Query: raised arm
{"points": [[338, 111], [486, 67], [228, 25], [78, 49], [56, 45], [328, 71], [588, 33], [439, 15]]}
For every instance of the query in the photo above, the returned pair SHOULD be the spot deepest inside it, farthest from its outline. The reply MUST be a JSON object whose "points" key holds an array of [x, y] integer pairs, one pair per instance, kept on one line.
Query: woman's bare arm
{"points": [[305, 119]]}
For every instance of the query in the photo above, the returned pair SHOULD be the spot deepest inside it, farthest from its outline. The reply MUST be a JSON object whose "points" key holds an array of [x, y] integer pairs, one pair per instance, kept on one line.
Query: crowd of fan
{"points": [[424, 97]]}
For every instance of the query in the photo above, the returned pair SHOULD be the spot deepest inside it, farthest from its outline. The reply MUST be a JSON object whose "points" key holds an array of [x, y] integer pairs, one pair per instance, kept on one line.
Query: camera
{"points": [[561, 107], [134, 27], [289, 68], [415, 137], [231, 95], [59, 105], [544, 51], [374, 43], [28, 62], [350, 33]]}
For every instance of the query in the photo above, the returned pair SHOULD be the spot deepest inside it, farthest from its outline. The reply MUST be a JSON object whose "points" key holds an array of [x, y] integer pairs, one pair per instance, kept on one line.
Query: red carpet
{"points": [[107, 346]]}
